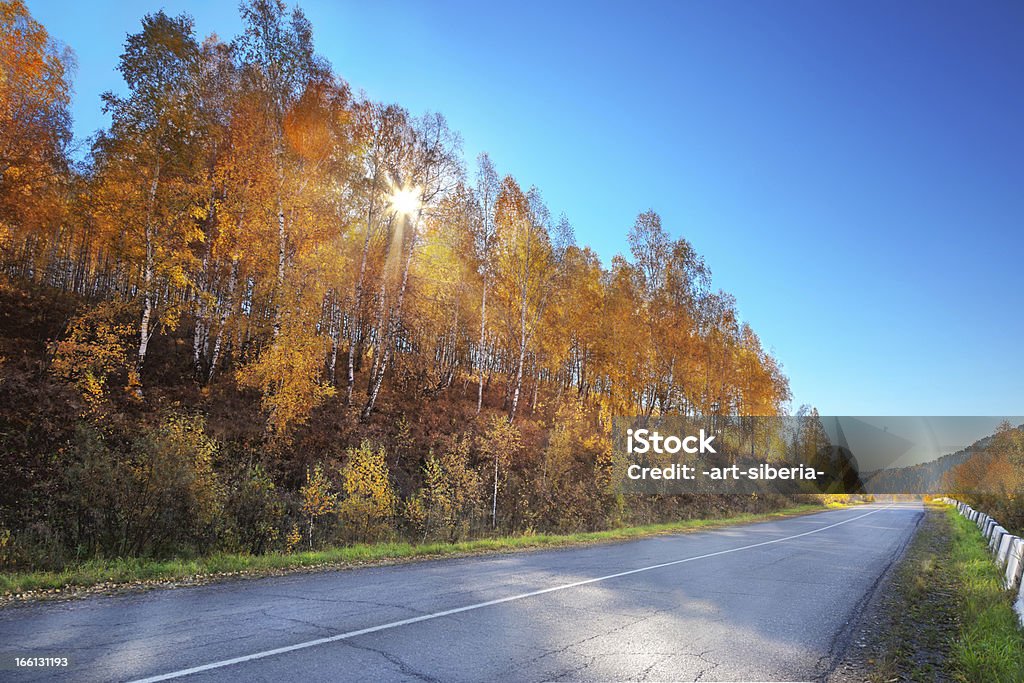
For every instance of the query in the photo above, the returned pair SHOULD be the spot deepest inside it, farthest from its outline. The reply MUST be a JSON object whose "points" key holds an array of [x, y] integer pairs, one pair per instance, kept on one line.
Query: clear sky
{"points": [[852, 171]]}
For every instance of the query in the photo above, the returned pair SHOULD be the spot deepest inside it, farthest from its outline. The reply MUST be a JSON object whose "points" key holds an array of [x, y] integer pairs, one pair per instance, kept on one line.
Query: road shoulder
{"points": [[907, 629]]}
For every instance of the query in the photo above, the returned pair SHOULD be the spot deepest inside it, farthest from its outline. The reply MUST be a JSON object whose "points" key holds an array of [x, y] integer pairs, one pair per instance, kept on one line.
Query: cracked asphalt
{"points": [[781, 611]]}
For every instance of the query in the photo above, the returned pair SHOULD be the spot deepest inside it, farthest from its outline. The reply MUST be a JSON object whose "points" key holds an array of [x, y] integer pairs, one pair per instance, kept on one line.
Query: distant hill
{"points": [[923, 478]]}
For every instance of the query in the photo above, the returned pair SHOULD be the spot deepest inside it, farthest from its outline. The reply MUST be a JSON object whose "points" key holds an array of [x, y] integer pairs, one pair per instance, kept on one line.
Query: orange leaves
{"points": [[997, 469], [241, 196], [289, 373], [318, 127], [511, 206], [32, 69], [34, 120], [94, 348]]}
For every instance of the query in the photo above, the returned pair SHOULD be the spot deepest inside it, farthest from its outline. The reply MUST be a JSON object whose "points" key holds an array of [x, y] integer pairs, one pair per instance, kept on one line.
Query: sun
{"points": [[405, 201]]}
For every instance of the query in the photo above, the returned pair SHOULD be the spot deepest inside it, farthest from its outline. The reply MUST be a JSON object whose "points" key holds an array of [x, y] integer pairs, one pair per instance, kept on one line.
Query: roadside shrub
{"points": [[318, 500], [574, 484], [6, 548], [155, 494], [97, 486], [446, 506], [499, 446], [178, 499], [369, 505], [256, 511]]}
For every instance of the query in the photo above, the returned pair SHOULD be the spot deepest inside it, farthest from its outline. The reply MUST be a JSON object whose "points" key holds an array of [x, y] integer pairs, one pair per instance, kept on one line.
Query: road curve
{"points": [[767, 601]]}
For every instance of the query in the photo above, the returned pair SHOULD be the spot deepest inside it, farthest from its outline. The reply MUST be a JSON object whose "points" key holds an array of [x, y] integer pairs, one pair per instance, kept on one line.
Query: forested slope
{"points": [[264, 312]]}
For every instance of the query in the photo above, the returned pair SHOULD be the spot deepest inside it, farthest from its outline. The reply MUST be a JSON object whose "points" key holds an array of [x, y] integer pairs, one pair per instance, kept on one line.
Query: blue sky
{"points": [[852, 171]]}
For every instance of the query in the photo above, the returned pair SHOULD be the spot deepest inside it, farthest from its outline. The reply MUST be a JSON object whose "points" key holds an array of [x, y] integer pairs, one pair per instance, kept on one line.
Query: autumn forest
{"points": [[262, 313]]}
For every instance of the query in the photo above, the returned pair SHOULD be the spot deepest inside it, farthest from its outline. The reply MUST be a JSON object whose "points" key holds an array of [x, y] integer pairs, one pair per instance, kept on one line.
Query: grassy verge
{"points": [[990, 646], [943, 617], [110, 574], [917, 620]]}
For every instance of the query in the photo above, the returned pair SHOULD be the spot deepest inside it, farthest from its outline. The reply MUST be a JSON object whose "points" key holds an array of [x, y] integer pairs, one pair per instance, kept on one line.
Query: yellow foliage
{"points": [[369, 505], [444, 507], [289, 373], [293, 540], [318, 499], [95, 347]]}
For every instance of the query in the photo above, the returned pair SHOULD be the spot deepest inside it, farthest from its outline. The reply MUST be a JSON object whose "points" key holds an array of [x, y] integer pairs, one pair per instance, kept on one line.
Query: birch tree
{"points": [[148, 148], [487, 188]]}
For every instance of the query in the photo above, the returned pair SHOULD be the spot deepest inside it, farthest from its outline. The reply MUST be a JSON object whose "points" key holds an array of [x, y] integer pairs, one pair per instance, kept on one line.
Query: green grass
{"points": [[990, 646], [907, 630], [118, 572]]}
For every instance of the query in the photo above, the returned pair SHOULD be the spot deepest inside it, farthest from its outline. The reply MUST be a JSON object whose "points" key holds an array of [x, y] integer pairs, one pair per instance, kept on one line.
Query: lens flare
{"points": [[405, 201]]}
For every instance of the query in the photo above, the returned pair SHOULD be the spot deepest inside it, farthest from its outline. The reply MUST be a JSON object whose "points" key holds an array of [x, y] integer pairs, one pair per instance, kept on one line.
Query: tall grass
{"points": [[135, 570], [991, 644]]}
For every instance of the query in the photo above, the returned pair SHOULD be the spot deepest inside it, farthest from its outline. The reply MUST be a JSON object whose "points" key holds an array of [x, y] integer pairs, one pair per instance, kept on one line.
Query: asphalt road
{"points": [[769, 601]]}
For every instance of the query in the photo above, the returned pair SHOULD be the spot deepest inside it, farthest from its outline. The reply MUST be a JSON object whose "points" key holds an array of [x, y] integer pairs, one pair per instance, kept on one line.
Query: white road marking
{"points": [[448, 612]]}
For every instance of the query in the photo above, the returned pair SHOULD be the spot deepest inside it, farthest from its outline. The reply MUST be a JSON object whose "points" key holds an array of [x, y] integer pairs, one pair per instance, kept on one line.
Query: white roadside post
{"points": [[1014, 563], [1003, 550], [997, 533], [1018, 605]]}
